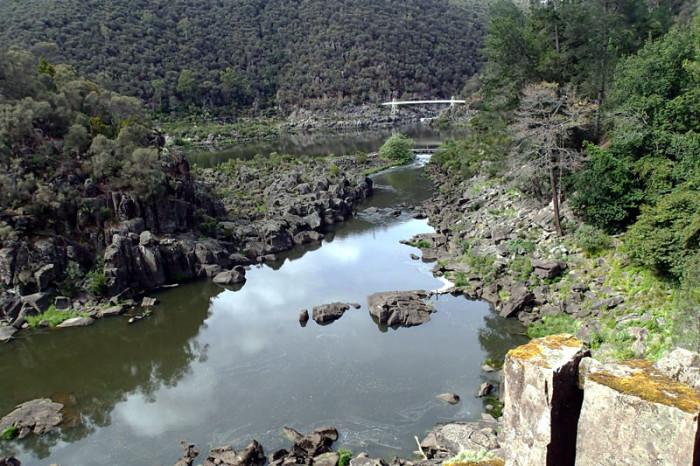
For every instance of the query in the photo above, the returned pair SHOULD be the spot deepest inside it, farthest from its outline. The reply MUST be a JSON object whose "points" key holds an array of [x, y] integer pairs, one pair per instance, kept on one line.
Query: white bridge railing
{"points": [[395, 103]]}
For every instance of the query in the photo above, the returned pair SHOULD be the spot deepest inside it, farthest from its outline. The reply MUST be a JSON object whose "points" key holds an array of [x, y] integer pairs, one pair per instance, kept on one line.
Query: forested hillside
{"points": [[180, 55], [595, 105]]}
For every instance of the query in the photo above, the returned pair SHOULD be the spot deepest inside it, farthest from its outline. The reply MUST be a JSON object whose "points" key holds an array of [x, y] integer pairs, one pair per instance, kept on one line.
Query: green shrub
{"points": [[520, 246], [334, 170], [552, 325], [360, 157], [592, 240], [398, 148], [469, 456], [667, 235], [345, 456]]}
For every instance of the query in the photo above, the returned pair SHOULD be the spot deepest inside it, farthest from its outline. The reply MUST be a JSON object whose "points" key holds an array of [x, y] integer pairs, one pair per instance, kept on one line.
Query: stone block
{"points": [[542, 401], [634, 414]]}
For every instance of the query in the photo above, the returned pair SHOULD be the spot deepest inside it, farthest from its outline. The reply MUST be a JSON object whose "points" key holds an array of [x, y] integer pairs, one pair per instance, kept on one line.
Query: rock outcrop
{"points": [[399, 308], [542, 401]]}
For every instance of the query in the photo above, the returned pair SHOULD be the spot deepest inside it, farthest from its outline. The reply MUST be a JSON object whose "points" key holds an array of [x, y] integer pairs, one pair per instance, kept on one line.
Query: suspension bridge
{"points": [[395, 103]]}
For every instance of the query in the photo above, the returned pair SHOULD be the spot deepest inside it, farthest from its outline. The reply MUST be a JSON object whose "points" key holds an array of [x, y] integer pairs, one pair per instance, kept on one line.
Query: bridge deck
{"points": [[419, 102]]}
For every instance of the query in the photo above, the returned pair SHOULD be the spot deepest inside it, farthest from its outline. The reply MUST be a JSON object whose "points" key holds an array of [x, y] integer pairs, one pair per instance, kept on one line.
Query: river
{"points": [[221, 367]]}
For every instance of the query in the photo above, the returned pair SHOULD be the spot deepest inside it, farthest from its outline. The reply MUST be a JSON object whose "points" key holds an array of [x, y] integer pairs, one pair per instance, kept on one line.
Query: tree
{"points": [[398, 147], [544, 122]]}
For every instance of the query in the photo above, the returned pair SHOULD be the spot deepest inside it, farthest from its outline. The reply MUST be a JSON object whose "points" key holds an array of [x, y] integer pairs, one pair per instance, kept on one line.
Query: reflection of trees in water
{"points": [[500, 335], [90, 370]]}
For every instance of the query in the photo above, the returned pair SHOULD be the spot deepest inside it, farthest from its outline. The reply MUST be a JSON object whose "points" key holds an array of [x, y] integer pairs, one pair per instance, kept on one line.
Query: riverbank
{"points": [[497, 245]]}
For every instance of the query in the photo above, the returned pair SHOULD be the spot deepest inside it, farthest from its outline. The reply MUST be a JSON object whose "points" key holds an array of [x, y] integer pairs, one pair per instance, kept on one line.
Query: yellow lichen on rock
{"points": [[647, 383], [537, 346]]}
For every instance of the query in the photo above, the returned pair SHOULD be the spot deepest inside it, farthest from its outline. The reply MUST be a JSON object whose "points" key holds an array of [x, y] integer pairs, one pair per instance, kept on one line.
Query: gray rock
{"points": [[231, 277], [148, 302], [45, 276], [39, 416], [39, 302], [365, 461], [414, 257], [63, 303], [548, 268], [520, 299], [484, 389], [402, 308], [304, 316], [10, 461], [682, 366], [326, 459], [113, 311], [446, 440], [188, 456], [308, 237], [6, 333], [252, 455], [450, 398], [77, 322], [329, 312]]}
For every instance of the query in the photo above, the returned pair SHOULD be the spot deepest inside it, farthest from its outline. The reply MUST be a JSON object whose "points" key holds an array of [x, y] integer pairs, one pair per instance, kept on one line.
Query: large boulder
{"points": [[329, 312], [76, 322], [548, 268], [231, 277], [682, 366], [399, 308], [520, 300], [446, 440], [39, 416], [542, 401], [632, 413]]}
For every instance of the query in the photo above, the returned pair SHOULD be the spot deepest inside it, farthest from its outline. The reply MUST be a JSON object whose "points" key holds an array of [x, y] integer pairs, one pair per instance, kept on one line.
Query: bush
{"points": [[360, 157], [592, 240], [344, 456], [666, 235], [398, 148]]}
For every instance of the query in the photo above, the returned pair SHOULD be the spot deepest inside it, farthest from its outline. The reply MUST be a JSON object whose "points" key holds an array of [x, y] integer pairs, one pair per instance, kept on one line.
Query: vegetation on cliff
{"points": [[229, 56], [595, 104]]}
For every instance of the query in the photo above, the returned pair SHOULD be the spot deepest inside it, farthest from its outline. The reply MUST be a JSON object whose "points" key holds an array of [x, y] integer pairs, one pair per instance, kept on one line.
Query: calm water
{"points": [[321, 145], [221, 367]]}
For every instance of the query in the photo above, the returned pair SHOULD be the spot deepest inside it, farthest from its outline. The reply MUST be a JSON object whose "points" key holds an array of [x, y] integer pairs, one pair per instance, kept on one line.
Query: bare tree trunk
{"points": [[555, 199]]}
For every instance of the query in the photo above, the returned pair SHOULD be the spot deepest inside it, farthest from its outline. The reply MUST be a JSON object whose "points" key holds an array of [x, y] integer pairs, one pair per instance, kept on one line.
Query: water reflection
{"points": [[215, 366], [322, 145]]}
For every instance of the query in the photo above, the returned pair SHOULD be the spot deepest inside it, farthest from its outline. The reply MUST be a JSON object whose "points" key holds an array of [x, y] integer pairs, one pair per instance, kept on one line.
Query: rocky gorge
{"points": [[263, 208]]}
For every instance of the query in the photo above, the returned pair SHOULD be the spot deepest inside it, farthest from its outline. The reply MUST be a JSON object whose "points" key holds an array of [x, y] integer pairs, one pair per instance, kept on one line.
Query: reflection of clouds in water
{"points": [[343, 252], [172, 405]]}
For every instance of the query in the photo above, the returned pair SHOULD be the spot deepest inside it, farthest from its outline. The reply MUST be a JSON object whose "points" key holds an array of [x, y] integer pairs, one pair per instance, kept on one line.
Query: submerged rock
{"points": [[188, 456], [402, 308], [450, 398], [6, 333], [39, 416]]}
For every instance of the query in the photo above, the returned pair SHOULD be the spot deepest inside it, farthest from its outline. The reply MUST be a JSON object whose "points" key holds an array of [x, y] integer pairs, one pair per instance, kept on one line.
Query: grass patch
{"points": [[552, 325], [53, 316], [497, 410]]}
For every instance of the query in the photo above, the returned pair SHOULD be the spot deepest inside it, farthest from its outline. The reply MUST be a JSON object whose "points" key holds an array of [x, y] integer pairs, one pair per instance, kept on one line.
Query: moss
{"points": [[649, 384]]}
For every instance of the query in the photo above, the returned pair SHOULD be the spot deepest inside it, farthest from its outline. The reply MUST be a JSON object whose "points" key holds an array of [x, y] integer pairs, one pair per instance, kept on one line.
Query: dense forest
{"points": [[596, 104], [229, 56]]}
